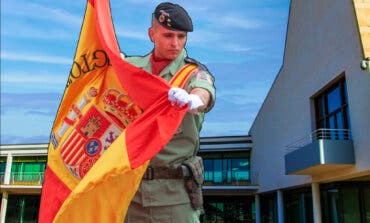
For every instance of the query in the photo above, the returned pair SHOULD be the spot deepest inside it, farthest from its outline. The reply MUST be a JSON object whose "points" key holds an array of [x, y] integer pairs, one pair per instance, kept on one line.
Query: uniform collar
{"points": [[171, 69], [175, 65]]}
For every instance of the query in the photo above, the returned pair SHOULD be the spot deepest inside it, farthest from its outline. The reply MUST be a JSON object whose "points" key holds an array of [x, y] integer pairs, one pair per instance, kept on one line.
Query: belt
{"points": [[182, 172]]}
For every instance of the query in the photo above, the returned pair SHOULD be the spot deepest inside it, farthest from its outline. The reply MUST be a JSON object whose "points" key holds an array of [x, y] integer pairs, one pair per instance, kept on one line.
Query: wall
{"points": [[322, 42]]}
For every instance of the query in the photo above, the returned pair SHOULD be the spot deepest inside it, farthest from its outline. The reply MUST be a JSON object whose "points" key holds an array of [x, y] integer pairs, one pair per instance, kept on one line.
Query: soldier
{"points": [[170, 190]]}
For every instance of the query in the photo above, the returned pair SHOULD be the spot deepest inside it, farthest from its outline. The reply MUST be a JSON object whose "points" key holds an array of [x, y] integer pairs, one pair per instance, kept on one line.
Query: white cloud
{"points": [[239, 22], [36, 124], [252, 92], [35, 58], [33, 78], [36, 32]]}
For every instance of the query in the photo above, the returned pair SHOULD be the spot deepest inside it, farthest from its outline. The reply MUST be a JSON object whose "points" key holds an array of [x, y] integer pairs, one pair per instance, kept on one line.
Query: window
{"points": [[345, 202], [268, 208], [226, 168], [298, 205], [229, 210], [366, 203], [332, 112], [2, 168], [27, 170], [22, 208]]}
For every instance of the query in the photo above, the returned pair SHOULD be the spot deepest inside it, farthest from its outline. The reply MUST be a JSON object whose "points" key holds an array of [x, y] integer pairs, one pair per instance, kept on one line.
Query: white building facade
{"points": [[311, 137]]}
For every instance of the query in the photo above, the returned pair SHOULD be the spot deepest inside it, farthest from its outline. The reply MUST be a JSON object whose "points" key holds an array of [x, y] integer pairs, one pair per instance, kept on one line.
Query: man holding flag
{"points": [[170, 190], [115, 117]]}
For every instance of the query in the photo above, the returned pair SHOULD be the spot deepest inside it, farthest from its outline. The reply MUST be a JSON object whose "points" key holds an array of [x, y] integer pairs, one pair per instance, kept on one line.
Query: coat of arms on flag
{"points": [[95, 130]]}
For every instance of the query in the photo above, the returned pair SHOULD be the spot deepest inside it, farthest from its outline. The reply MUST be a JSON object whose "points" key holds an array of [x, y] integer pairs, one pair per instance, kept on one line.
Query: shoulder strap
{"points": [[183, 75]]}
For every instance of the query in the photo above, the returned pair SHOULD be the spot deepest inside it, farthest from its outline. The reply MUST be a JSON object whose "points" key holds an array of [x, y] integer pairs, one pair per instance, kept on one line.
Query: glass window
{"points": [[2, 164], [217, 164], [22, 208], [208, 167], [367, 204], [332, 111], [334, 100], [333, 205], [229, 210], [345, 202], [2, 168], [27, 170], [268, 208], [240, 169], [321, 107], [298, 206], [351, 206], [226, 168]]}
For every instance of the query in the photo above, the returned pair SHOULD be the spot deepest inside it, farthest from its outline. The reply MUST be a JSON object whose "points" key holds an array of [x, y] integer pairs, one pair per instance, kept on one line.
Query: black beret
{"points": [[173, 16]]}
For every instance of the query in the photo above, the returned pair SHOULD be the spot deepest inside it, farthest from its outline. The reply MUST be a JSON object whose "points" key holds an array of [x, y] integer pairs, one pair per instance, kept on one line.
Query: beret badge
{"points": [[162, 16]]}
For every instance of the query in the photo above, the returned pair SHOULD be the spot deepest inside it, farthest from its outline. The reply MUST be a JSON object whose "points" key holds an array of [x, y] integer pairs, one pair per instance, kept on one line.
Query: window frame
{"points": [[226, 168], [340, 114]]}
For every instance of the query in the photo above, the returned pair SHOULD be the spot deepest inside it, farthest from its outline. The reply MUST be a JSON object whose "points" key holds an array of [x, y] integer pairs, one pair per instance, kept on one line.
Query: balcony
{"points": [[25, 182], [232, 177], [35, 178], [324, 150], [232, 182]]}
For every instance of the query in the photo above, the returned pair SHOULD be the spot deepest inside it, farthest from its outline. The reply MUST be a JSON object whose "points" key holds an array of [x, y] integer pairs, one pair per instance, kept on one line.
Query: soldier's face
{"points": [[168, 44]]}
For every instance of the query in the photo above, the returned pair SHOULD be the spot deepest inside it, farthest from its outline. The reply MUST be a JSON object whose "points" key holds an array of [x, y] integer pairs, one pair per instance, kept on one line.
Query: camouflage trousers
{"points": [[181, 213]]}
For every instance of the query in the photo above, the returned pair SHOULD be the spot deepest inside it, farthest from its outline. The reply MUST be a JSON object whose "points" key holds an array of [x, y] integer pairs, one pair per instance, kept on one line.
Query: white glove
{"points": [[194, 103], [180, 97]]}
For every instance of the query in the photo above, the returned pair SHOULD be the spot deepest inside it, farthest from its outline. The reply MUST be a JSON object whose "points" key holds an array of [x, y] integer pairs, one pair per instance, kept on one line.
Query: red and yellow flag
{"points": [[112, 120]]}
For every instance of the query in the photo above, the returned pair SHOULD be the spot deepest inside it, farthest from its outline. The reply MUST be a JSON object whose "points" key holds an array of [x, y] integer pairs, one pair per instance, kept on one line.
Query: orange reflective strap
{"points": [[183, 75]]}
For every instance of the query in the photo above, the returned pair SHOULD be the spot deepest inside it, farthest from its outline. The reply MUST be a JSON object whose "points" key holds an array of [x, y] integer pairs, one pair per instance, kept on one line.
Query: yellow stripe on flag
{"points": [[104, 190]]}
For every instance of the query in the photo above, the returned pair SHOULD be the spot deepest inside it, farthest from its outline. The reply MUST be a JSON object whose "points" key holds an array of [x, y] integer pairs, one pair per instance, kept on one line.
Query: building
{"points": [[21, 177], [228, 192], [311, 147]]}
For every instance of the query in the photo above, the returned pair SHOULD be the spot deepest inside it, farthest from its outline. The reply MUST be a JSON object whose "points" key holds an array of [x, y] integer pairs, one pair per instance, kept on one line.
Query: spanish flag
{"points": [[113, 118]]}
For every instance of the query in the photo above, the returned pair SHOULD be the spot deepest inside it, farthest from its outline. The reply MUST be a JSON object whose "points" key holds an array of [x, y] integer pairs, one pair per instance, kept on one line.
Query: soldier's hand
{"points": [[180, 97]]}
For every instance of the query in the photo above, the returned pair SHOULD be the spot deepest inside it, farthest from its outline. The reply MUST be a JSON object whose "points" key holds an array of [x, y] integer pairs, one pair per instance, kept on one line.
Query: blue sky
{"points": [[240, 41]]}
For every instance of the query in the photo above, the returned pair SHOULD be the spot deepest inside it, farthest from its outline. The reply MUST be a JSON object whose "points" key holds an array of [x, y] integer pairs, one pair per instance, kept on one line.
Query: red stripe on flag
{"points": [[76, 155], [159, 124], [65, 150], [54, 191]]}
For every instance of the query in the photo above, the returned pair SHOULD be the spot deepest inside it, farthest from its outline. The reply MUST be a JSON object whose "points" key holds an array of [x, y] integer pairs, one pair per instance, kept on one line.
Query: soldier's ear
{"points": [[151, 34]]}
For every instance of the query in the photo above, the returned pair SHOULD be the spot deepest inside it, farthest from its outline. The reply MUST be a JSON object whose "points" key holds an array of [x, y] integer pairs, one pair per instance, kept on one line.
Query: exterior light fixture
{"points": [[365, 64]]}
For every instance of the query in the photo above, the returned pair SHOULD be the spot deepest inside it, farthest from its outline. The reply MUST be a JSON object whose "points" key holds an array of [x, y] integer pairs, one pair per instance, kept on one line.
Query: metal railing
{"points": [[28, 178], [226, 177], [327, 134]]}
